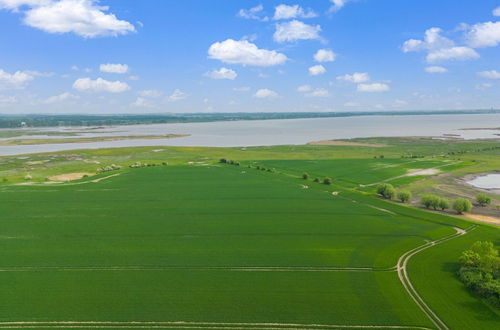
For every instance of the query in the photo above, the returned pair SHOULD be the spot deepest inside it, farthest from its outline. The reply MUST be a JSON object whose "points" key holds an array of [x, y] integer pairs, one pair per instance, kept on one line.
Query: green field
{"points": [[221, 246]]}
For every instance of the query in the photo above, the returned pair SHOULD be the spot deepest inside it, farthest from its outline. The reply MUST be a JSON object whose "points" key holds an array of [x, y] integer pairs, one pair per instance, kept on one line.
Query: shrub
{"points": [[223, 160], [327, 180], [316, 180], [5, 180], [430, 201], [386, 190], [462, 205], [305, 176], [404, 196], [164, 163], [443, 204], [28, 177], [483, 199]]}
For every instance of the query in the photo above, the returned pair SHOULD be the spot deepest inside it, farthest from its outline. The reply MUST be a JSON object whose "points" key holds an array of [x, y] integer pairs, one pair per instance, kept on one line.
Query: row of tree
{"points": [[480, 271], [460, 205], [326, 180]]}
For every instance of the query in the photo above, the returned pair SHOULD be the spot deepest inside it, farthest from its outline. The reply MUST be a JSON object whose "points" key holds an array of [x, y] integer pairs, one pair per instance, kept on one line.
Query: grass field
{"points": [[221, 246]]}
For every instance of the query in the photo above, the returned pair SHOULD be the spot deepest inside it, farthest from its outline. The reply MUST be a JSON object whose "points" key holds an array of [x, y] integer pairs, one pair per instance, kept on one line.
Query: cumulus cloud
{"points": [[16, 80], [7, 99], [222, 73], [295, 30], [81, 17], [114, 68], [253, 13], [153, 93], [493, 74], [439, 48], [318, 92], [244, 52], [60, 98], [177, 95], [295, 11], [485, 34], [141, 102], [317, 70], [265, 93], [375, 87], [357, 77], [100, 85], [324, 55], [496, 11], [304, 89], [436, 69], [337, 5]]}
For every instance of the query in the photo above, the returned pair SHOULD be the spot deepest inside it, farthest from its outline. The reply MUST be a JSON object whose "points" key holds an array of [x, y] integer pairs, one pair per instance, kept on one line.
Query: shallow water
{"points": [[490, 181], [274, 132]]}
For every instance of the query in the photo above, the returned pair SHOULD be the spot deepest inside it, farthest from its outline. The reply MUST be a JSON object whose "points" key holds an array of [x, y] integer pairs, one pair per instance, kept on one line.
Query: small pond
{"points": [[489, 181]]}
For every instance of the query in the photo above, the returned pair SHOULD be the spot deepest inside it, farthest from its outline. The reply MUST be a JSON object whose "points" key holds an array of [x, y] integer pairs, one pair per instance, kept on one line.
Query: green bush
{"points": [[327, 181], [430, 201], [386, 190], [305, 176], [223, 160], [462, 205], [316, 180], [404, 196], [483, 199]]}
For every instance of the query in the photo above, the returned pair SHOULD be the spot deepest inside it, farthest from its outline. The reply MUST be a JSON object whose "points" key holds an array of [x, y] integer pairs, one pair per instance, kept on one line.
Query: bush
{"points": [[28, 177], [223, 160], [444, 204], [483, 199], [462, 205], [327, 180], [404, 196], [430, 201], [386, 190], [305, 176], [316, 180]]}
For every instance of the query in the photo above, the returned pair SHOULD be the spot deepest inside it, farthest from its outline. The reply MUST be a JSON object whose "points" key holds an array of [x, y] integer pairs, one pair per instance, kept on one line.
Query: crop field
{"points": [[211, 246]]}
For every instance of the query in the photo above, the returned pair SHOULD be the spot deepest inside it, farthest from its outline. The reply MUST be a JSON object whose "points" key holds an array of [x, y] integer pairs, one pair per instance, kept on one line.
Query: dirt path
{"points": [[405, 280]]}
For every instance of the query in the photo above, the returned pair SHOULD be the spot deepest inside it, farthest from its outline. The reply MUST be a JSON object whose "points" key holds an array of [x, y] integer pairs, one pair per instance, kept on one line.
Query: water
{"points": [[274, 132], [490, 181]]}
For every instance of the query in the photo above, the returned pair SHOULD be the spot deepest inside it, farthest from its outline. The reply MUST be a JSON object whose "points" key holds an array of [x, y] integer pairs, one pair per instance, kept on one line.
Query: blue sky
{"points": [[128, 56]]}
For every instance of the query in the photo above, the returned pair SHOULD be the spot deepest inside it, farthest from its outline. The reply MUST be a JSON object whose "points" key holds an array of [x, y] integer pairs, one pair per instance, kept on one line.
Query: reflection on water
{"points": [[490, 181], [274, 132]]}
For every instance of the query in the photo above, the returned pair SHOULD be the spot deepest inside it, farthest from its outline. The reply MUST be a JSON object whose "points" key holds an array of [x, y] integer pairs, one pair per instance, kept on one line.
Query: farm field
{"points": [[199, 244]]}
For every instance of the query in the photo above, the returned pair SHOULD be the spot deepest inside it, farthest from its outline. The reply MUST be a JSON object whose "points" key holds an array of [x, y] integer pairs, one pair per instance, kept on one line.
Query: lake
{"points": [[274, 132], [489, 181]]}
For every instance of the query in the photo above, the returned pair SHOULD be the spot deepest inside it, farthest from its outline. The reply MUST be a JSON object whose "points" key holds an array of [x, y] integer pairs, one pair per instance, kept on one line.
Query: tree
{"points": [[430, 201], [316, 179], [462, 205], [443, 204], [327, 180], [386, 190], [483, 199], [223, 160], [305, 176], [404, 196]]}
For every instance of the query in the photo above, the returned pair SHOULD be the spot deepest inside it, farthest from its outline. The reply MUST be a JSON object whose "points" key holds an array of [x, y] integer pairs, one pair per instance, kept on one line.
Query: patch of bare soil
{"points": [[346, 143], [69, 176], [417, 172], [484, 218]]}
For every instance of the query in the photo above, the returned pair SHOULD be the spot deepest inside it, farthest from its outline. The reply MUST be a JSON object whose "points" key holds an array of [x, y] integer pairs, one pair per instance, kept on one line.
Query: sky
{"points": [[166, 56]]}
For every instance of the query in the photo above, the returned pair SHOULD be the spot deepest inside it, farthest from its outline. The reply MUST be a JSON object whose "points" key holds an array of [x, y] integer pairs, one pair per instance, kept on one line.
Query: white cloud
{"points": [[253, 13], [439, 48], [222, 73], [357, 77], [75, 68], [453, 53], [134, 78], [82, 17], [338, 5], [265, 93], [484, 35], [241, 89], [153, 93], [435, 69], [317, 70], [496, 11], [100, 85], [483, 86], [351, 104], [141, 102], [324, 55], [60, 98], [295, 30], [493, 74], [295, 11], [177, 95], [304, 89], [17, 80], [114, 68], [7, 99], [375, 87], [318, 92], [244, 52]]}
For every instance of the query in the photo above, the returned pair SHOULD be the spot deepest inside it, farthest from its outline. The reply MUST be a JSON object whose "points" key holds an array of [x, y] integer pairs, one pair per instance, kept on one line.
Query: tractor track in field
{"points": [[187, 325], [405, 279]]}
